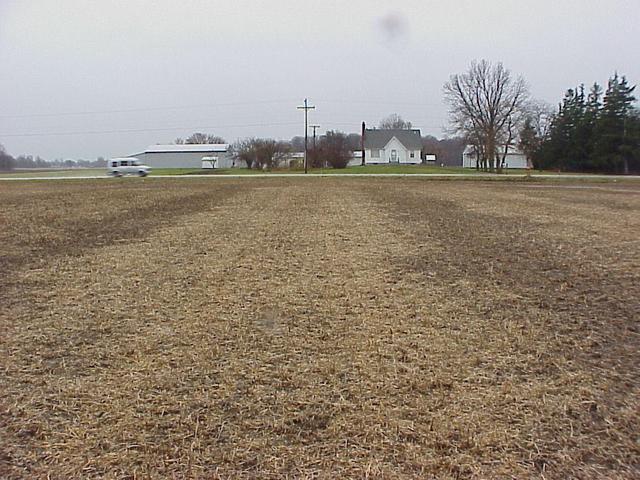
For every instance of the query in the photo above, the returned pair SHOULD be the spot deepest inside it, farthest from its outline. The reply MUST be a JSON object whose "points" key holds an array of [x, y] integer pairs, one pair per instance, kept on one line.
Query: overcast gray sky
{"points": [[80, 79]]}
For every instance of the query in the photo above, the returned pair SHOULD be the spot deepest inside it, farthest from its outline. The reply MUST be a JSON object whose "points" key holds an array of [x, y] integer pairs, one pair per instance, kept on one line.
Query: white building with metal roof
{"points": [[212, 155], [514, 158]]}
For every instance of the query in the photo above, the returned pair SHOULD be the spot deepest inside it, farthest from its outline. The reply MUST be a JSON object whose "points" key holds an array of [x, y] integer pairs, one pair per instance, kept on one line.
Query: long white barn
{"points": [[209, 155]]}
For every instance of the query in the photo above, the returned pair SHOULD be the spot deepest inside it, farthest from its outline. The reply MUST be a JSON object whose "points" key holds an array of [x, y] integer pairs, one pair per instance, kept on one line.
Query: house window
{"points": [[375, 153], [413, 154]]}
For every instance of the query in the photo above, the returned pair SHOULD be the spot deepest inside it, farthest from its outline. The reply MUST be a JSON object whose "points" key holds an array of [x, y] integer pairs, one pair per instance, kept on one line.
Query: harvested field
{"points": [[319, 328]]}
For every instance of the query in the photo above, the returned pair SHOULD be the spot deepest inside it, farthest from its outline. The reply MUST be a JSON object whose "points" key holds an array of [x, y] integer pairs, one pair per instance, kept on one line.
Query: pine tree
{"points": [[559, 150], [577, 154], [633, 139], [592, 113], [529, 142], [594, 133], [613, 148]]}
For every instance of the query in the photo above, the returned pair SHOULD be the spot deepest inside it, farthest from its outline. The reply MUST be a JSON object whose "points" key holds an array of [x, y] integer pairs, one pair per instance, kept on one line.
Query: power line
{"points": [[383, 102], [167, 129], [206, 105], [148, 109], [413, 125], [141, 130]]}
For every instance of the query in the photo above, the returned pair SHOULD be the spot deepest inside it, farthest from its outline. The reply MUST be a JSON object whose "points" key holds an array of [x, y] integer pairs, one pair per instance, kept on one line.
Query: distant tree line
{"points": [[331, 149], [28, 161], [448, 151], [394, 122], [199, 138], [7, 162], [591, 132]]}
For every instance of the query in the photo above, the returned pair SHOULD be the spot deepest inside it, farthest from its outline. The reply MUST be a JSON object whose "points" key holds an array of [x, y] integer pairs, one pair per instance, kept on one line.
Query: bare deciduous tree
{"points": [[245, 151], [333, 149], [534, 128], [394, 122], [540, 114], [199, 138], [486, 105], [297, 143], [261, 153], [270, 153]]}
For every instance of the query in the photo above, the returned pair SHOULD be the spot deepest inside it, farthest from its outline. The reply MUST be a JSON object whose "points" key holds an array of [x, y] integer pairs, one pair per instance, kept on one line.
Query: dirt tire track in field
{"points": [[73, 229], [305, 328]]}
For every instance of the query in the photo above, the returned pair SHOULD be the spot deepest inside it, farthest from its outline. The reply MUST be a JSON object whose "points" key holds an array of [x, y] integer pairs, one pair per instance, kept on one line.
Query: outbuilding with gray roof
{"points": [[212, 155]]}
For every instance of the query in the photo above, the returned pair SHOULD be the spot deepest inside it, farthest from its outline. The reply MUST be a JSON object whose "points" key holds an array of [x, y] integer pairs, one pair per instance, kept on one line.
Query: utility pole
{"points": [[362, 143], [306, 109], [624, 144], [314, 128]]}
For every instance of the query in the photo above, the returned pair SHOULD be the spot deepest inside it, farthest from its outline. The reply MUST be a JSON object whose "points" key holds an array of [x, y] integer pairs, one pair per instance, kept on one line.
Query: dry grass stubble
{"points": [[334, 328]]}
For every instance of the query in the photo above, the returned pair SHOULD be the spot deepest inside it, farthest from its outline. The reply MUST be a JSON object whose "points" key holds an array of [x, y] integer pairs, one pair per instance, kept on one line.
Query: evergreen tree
{"points": [[590, 119], [592, 132], [633, 137], [577, 154], [613, 147], [557, 151], [529, 141]]}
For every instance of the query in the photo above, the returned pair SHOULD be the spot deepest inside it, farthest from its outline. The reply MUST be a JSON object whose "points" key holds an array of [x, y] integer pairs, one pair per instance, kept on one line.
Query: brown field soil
{"points": [[319, 328]]}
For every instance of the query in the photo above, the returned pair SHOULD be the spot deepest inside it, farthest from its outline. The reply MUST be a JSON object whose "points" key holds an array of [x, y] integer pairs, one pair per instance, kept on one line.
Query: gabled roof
{"points": [[188, 148], [374, 138]]}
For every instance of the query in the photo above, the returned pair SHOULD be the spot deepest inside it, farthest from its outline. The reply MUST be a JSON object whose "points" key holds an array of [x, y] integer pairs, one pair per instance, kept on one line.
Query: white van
{"points": [[127, 166]]}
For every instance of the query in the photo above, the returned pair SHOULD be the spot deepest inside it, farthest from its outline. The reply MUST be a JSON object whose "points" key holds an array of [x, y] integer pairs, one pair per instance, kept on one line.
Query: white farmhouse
{"points": [[209, 155], [514, 159], [392, 146]]}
